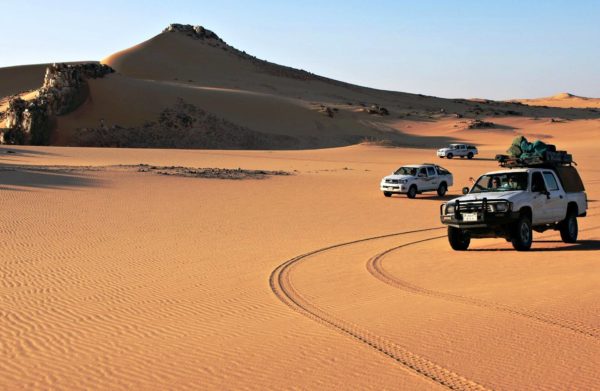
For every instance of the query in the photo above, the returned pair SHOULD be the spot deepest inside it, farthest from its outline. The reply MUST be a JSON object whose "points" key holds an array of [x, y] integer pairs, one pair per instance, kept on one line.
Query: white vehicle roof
{"points": [[419, 165], [520, 169]]}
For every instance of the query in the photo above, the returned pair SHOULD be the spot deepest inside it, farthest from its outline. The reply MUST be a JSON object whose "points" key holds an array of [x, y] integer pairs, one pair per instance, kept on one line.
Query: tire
{"points": [[522, 234], [569, 228], [442, 189], [412, 192], [387, 194], [459, 240], [449, 156], [470, 155]]}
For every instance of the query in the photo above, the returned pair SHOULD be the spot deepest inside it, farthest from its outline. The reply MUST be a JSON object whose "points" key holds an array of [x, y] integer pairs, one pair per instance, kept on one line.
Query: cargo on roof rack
{"points": [[547, 159]]}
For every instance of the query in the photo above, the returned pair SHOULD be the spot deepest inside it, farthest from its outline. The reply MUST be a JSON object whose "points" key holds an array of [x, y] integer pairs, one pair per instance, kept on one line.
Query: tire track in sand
{"points": [[282, 287], [375, 267]]}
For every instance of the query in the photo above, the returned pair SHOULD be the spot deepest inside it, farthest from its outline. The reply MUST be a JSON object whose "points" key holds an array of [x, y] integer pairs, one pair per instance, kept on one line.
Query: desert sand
{"points": [[117, 278]]}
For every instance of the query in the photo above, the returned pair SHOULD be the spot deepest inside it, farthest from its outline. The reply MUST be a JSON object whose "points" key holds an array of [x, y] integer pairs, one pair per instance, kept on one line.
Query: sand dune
{"points": [[17, 79], [248, 103], [118, 278], [564, 100]]}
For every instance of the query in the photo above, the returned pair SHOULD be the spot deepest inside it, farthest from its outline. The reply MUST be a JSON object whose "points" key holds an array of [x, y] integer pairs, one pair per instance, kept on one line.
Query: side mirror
{"points": [[465, 190]]}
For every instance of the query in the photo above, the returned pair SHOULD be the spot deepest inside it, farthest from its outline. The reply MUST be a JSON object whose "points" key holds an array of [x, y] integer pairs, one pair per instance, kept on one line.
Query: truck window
{"points": [[430, 171], [442, 171], [537, 183], [550, 181], [422, 172]]}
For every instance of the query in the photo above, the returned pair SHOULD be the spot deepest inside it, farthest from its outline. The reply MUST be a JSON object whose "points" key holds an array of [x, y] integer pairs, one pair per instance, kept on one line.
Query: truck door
{"points": [[556, 203], [422, 179], [540, 213], [434, 179]]}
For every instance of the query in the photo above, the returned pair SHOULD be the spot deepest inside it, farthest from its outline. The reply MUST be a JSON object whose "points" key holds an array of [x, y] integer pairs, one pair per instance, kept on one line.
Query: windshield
{"points": [[406, 171], [506, 181]]}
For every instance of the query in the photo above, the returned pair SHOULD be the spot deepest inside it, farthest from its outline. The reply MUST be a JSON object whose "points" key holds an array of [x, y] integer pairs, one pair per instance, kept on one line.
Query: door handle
{"points": [[561, 197]]}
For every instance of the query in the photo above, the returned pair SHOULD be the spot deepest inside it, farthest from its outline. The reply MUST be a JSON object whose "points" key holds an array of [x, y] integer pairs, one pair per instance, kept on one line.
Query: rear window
{"points": [[570, 179], [550, 181], [442, 171]]}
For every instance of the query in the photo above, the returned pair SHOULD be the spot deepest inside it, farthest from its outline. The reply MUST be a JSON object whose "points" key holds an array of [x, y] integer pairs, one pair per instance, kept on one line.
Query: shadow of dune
{"points": [[44, 179], [582, 245], [8, 152]]}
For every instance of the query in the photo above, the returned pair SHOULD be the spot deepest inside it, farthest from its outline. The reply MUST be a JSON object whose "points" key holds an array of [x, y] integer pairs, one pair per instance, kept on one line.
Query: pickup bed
{"points": [[512, 203]]}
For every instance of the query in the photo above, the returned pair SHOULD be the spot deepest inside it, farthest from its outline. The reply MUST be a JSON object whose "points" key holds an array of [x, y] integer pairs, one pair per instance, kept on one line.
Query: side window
{"points": [[550, 181], [537, 182], [423, 172], [430, 171]]}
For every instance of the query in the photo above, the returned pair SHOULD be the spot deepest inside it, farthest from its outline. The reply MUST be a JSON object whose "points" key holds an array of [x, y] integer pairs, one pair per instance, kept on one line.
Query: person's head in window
{"points": [[495, 183]]}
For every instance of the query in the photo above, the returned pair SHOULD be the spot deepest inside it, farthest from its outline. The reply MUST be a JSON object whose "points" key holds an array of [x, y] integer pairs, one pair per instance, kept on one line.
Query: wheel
{"points": [[459, 240], [441, 191], [412, 192], [470, 155], [449, 156], [522, 234], [387, 194], [569, 228]]}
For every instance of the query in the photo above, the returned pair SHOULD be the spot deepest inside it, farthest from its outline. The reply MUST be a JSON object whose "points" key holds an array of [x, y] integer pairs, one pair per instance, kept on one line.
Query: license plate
{"points": [[469, 216]]}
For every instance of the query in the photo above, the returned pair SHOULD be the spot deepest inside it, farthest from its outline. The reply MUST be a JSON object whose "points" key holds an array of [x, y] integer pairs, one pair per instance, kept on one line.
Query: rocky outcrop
{"points": [[379, 110], [63, 90], [479, 124], [182, 126], [196, 32]]}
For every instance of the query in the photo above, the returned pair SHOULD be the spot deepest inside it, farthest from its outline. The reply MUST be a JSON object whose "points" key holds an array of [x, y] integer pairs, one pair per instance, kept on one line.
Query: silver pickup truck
{"points": [[512, 203], [457, 150]]}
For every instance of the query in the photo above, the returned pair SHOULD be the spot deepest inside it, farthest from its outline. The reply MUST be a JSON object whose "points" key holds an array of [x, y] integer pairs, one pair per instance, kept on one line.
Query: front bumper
{"points": [[394, 188], [441, 153], [487, 219]]}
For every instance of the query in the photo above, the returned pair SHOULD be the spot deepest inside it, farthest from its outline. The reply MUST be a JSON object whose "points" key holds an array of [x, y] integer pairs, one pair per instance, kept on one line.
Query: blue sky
{"points": [[492, 49]]}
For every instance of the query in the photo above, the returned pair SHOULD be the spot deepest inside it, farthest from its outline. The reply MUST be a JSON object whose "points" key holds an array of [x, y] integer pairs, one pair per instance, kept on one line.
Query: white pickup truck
{"points": [[514, 202], [462, 150], [415, 179]]}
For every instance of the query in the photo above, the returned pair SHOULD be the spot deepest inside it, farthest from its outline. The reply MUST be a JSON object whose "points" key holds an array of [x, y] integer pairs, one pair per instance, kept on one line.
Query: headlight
{"points": [[403, 181], [449, 209], [501, 207]]}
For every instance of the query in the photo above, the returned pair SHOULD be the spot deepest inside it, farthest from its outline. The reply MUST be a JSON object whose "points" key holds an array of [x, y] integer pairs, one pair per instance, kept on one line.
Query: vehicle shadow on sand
{"points": [[582, 245], [446, 197]]}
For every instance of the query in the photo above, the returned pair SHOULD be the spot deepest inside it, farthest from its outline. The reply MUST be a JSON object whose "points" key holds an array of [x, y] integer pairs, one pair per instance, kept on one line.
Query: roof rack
{"points": [[548, 159]]}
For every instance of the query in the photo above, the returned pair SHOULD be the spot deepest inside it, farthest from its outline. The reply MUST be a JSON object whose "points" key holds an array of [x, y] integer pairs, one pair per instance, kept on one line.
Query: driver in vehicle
{"points": [[495, 183]]}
